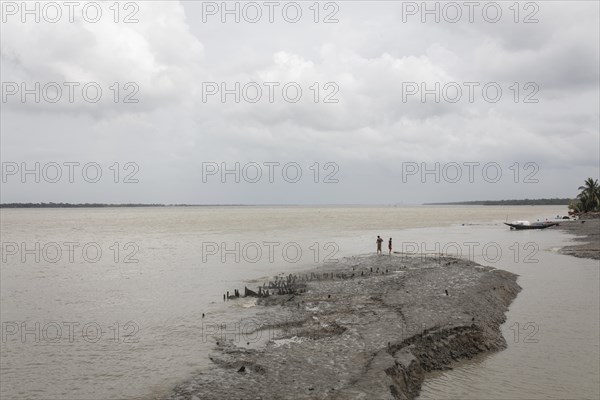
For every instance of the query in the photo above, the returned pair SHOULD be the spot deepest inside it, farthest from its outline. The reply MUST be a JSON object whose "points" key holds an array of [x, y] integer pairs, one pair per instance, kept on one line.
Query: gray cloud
{"points": [[369, 133]]}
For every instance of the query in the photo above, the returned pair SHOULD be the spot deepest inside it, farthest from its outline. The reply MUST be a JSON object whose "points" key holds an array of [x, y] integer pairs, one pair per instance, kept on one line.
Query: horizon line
{"points": [[133, 205]]}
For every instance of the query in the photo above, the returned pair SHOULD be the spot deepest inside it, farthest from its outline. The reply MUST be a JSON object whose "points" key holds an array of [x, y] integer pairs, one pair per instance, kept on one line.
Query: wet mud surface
{"points": [[367, 327], [588, 232]]}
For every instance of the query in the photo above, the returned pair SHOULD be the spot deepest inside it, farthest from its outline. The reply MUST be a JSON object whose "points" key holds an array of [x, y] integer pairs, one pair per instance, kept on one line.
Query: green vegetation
{"points": [[588, 200], [522, 202]]}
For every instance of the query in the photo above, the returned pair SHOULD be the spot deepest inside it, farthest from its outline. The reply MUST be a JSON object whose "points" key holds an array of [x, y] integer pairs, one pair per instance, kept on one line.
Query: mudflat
{"points": [[588, 233], [366, 327]]}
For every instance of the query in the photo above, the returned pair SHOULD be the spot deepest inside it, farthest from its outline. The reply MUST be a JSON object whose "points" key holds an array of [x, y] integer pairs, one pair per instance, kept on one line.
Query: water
{"points": [[187, 260], [552, 330]]}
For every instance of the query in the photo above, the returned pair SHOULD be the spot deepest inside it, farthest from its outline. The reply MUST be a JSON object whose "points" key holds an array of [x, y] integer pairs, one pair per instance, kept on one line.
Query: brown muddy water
{"points": [[110, 303], [552, 328]]}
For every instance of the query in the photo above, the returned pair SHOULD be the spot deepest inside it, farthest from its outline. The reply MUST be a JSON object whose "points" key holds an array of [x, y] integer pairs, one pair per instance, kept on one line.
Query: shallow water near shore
{"points": [[552, 329], [178, 277]]}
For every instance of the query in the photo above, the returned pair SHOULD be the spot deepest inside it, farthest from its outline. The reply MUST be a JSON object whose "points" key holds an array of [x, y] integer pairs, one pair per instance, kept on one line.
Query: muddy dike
{"points": [[588, 234], [367, 327]]}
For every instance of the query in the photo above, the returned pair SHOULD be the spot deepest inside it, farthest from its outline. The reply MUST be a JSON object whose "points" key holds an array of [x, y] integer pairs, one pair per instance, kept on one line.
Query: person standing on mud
{"points": [[379, 241], [390, 246]]}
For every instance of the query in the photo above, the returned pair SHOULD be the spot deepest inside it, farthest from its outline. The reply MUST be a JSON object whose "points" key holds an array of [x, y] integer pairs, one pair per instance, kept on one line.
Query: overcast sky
{"points": [[366, 140]]}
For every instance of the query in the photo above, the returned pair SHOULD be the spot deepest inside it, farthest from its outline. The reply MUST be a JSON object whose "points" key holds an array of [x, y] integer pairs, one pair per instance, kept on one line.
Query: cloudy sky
{"points": [[349, 102]]}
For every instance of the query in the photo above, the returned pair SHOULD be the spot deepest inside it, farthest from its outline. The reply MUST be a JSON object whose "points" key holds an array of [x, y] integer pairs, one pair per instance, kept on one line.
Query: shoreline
{"points": [[367, 326], [587, 232]]}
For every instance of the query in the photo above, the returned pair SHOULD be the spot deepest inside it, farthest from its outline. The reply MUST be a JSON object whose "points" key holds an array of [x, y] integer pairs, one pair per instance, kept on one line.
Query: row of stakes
{"points": [[294, 284]]}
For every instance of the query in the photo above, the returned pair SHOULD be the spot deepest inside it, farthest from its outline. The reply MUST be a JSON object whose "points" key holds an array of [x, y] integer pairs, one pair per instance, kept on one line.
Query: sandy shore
{"points": [[588, 234], [368, 327]]}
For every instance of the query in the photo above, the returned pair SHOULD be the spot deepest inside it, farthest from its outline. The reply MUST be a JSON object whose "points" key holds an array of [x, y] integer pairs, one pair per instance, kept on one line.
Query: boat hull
{"points": [[541, 225]]}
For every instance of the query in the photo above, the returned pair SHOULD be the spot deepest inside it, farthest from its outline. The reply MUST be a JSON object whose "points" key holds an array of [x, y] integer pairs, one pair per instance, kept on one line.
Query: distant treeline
{"points": [[523, 202], [98, 205], [70, 205]]}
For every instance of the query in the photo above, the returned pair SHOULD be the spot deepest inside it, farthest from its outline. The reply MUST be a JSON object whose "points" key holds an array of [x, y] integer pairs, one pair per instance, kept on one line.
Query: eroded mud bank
{"points": [[588, 232], [367, 327]]}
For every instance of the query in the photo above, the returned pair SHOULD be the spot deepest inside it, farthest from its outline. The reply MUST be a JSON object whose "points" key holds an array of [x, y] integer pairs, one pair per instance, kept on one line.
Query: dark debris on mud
{"points": [[367, 327]]}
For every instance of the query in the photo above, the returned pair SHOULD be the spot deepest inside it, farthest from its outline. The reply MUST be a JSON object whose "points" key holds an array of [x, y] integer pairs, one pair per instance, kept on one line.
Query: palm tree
{"points": [[575, 206], [589, 197]]}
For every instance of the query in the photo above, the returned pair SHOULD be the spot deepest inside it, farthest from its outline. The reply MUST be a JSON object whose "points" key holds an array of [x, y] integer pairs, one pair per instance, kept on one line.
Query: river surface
{"points": [[107, 303], [552, 328]]}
